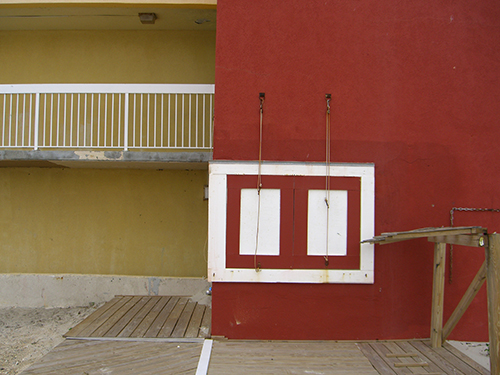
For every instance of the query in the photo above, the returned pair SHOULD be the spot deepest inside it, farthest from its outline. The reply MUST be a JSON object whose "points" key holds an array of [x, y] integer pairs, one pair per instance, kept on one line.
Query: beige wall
{"points": [[91, 221], [184, 3], [107, 56]]}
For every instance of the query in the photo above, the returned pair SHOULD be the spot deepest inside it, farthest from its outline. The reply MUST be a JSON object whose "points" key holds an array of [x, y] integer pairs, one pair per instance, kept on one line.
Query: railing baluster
{"points": [[10, 122], [24, 120], [30, 119], [197, 111], [105, 118], [71, 121], [204, 118], [182, 123], [78, 123], [189, 139], [98, 120], [37, 120], [119, 118], [58, 117], [112, 117], [16, 124], [154, 138], [147, 122], [169, 114], [133, 123], [125, 123], [65, 118], [175, 122], [211, 121], [4, 119], [161, 127], [85, 108]]}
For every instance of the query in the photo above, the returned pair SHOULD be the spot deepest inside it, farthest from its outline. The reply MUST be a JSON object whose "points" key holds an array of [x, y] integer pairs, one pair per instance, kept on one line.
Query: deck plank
{"points": [[453, 360], [407, 347], [139, 317], [378, 363], [206, 324], [195, 322], [172, 319], [409, 361], [184, 319], [476, 366], [113, 319], [158, 323], [115, 330], [75, 331], [90, 329], [141, 330]]}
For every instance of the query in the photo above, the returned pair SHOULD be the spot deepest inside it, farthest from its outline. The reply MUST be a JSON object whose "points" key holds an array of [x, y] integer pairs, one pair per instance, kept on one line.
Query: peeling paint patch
{"points": [[99, 155], [153, 286]]}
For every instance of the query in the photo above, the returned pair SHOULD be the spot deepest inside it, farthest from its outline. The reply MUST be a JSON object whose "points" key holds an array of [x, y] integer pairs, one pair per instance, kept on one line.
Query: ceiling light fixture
{"points": [[147, 18]]}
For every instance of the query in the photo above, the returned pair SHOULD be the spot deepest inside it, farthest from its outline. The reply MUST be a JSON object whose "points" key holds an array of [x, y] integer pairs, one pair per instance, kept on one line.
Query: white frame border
{"points": [[217, 213]]}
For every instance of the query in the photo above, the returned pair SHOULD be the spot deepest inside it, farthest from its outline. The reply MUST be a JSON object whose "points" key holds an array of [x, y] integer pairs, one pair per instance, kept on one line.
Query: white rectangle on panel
{"points": [[269, 222], [317, 222]]}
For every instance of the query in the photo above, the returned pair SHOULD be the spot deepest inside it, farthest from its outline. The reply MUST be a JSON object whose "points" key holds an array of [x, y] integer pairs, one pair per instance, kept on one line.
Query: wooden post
{"points": [[438, 295], [493, 284]]}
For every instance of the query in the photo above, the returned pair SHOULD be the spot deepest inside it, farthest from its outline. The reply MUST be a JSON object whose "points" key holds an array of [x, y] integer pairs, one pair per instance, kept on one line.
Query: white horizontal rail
{"points": [[113, 88], [103, 116]]}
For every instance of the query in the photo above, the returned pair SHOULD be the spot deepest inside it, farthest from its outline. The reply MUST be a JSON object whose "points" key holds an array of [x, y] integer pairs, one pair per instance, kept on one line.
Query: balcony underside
{"points": [[105, 159]]}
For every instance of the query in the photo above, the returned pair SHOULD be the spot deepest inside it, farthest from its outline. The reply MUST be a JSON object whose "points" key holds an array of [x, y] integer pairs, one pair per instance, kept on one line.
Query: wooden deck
{"points": [[153, 356], [118, 357], [417, 357], [165, 335], [165, 317]]}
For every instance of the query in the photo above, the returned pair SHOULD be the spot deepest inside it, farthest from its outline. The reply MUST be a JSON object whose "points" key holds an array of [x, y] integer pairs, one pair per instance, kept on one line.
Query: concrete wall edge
{"points": [[71, 290]]}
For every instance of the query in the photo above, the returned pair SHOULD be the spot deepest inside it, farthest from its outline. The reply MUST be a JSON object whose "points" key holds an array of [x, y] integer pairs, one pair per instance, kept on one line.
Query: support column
{"points": [[438, 295], [493, 284]]}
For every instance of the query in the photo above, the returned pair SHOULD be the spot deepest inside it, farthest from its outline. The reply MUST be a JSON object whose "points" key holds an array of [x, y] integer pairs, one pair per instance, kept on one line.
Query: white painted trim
{"points": [[217, 271], [204, 361], [111, 88]]}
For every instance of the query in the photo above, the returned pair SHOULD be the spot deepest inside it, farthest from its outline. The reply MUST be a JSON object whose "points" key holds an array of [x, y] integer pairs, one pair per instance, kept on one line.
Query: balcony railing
{"points": [[106, 116]]}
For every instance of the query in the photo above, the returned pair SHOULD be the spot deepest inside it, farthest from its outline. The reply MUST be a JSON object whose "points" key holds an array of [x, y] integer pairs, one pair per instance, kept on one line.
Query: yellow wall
{"points": [[184, 3], [92, 221], [107, 56]]}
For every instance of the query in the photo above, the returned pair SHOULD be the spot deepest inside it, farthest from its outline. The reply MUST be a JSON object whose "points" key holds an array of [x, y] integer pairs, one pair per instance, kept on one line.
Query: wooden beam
{"points": [[466, 300], [390, 237], [493, 283], [438, 295], [473, 240]]}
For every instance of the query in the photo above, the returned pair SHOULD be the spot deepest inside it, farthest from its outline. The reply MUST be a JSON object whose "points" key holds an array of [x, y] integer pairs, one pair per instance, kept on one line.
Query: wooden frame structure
{"points": [[489, 271]]}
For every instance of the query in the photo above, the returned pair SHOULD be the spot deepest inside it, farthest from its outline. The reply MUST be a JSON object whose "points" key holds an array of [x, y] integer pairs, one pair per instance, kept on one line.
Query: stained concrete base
{"points": [[70, 290]]}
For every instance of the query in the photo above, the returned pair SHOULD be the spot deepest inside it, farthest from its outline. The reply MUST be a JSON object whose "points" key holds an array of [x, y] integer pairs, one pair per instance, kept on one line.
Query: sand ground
{"points": [[27, 334]]}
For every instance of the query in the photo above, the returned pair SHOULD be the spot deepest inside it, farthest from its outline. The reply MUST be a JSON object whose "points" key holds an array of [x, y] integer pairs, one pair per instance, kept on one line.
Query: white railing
{"points": [[106, 116]]}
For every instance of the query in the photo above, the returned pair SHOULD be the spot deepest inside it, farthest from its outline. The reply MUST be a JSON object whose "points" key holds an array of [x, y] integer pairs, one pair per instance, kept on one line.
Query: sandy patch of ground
{"points": [[27, 334], [478, 351]]}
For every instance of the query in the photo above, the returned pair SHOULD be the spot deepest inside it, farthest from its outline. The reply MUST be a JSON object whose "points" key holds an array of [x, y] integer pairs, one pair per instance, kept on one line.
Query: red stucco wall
{"points": [[415, 90]]}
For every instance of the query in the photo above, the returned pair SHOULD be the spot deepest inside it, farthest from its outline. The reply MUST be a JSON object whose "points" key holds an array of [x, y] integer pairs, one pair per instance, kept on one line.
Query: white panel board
{"points": [[268, 240], [320, 217], [217, 271]]}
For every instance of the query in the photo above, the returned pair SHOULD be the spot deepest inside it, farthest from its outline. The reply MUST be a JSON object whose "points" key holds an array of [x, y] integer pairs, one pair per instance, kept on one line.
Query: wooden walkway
{"points": [[165, 317], [165, 335], [146, 356], [79, 357], [417, 357]]}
